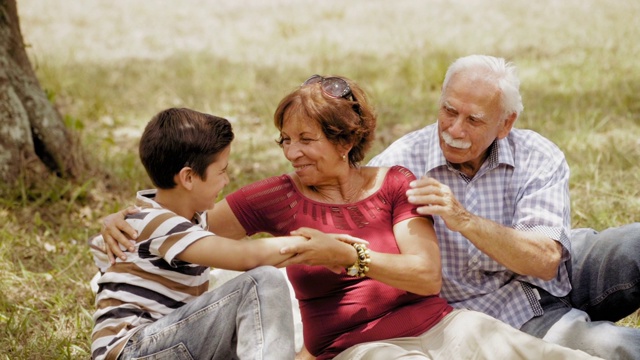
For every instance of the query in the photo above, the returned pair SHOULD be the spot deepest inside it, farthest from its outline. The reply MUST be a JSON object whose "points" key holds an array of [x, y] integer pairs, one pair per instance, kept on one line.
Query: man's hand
{"points": [[116, 231], [523, 252], [436, 198]]}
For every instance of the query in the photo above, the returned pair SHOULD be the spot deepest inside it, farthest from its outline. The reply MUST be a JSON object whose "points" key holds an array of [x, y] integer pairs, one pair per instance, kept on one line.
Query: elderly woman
{"points": [[357, 301]]}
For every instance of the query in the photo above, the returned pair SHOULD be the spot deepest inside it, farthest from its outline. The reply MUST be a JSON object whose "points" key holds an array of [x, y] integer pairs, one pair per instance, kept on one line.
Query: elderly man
{"points": [[500, 200]]}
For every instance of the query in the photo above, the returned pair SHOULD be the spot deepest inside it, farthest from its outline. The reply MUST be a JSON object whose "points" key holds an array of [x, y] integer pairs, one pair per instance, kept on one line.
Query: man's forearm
{"points": [[525, 253]]}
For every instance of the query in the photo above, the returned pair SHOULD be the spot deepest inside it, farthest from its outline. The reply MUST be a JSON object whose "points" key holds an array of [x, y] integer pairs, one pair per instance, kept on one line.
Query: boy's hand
{"points": [[115, 231]]}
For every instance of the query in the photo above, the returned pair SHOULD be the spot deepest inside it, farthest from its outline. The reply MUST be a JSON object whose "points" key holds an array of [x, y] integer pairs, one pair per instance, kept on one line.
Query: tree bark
{"points": [[33, 138]]}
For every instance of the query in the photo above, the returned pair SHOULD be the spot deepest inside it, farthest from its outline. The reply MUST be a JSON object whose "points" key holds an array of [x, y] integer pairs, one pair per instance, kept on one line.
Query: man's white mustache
{"points": [[460, 144]]}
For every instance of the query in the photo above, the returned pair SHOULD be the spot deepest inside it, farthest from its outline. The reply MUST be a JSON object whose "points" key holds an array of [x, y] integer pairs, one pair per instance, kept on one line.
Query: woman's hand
{"points": [[116, 231], [332, 251], [349, 239]]}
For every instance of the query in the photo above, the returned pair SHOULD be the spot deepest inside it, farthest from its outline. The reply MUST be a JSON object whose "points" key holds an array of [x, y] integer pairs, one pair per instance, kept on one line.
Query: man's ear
{"points": [[185, 178], [507, 125]]}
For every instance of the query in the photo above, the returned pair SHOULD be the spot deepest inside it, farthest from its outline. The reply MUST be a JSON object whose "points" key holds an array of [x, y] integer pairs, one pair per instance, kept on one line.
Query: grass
{"points": [[110, 65]]}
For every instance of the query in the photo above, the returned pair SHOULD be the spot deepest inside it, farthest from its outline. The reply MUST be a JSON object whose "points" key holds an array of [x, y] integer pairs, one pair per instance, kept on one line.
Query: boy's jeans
{"points": [[605, 276], [248, 317]]}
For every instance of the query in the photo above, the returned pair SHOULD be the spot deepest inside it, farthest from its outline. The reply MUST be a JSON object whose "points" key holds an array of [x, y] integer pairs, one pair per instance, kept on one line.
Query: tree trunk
{"points": [[33, 138]]}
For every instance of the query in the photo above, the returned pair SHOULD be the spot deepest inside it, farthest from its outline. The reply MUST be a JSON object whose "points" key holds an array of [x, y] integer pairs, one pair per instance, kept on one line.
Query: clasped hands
{"points": [[333, 251], [324, 249]]}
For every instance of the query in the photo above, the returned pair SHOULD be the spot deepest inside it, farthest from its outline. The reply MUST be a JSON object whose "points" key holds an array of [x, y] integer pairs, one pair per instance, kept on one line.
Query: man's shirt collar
{"points": [[500, 153]]}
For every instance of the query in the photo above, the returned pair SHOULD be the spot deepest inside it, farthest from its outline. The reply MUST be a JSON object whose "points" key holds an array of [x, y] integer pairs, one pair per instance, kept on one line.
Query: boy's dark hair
{"points": [[179, 137]]}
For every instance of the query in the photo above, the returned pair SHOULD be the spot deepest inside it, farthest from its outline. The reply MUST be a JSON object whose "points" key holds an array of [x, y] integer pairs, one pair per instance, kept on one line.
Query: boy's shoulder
{"points": [[151, 220], [151, 212], [152, 224]]}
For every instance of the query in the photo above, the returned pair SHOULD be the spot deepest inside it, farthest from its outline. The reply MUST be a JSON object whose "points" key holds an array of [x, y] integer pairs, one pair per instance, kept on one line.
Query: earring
{"points": [[344, 157]]}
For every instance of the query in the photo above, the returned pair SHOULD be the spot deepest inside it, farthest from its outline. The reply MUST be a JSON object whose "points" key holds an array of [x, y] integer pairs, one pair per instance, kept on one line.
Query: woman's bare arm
{"points": [[416, 269]]}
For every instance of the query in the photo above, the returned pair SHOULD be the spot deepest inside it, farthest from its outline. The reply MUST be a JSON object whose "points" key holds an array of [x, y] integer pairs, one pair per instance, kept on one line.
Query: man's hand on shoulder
{"points": [[436, 198]]}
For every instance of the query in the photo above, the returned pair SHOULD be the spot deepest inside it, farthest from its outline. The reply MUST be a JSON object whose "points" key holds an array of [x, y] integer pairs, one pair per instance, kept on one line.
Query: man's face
{"points": [[469, 120]]}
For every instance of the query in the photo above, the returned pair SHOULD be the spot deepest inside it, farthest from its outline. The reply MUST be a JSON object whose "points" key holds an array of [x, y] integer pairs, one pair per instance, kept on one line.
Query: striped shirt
{"points": [[523, 184], [151, 283]]}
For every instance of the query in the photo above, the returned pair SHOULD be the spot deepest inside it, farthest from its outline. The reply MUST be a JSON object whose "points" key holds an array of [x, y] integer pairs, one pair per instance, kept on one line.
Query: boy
{"points": [[156, 301]]}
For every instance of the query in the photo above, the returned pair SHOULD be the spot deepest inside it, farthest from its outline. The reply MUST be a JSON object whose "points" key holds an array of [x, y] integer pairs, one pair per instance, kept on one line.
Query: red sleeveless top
{"points": [[339, 311]]}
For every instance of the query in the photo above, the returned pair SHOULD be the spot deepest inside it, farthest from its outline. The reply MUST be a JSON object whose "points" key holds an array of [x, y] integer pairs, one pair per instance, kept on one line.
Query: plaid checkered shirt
{"points": [[523, 184]]}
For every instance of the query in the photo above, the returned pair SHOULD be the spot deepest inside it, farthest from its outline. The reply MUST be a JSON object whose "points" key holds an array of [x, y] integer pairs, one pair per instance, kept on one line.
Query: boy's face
{"points": [[205, 192]]}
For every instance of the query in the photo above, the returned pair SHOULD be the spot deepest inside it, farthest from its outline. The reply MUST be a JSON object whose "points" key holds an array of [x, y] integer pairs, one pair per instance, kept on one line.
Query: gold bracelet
{"points": [[361, 266]]}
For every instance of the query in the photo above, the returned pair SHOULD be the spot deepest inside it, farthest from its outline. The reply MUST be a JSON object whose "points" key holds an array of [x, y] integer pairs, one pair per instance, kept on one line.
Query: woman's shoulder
{"points": [[403, 171], [384, 175], [387, 180]]}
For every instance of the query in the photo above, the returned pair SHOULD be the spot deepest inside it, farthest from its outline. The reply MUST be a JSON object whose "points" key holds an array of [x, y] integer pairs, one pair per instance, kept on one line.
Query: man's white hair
{"points": [[497, 69]]}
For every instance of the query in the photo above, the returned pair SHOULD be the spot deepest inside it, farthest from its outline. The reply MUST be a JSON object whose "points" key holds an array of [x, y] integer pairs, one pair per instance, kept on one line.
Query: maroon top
{"points": [[339, 311]]}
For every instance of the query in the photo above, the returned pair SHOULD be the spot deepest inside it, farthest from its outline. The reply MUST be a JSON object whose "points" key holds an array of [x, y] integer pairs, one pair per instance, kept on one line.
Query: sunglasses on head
{"points": [[332, 86]]}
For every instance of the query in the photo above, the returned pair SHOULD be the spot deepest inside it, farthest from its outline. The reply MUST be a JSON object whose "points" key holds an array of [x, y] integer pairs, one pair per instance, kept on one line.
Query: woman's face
{"points": [[315, 159]]}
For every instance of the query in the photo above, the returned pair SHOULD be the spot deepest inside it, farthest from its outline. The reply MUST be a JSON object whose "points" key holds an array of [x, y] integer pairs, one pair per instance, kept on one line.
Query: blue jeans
{"points": [[248, 317], [605, 276], [605, 271]]}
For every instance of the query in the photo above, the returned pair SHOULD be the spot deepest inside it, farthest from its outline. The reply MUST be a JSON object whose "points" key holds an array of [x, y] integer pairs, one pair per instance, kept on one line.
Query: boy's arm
{"points": [[117, 231], [240, 255]]}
